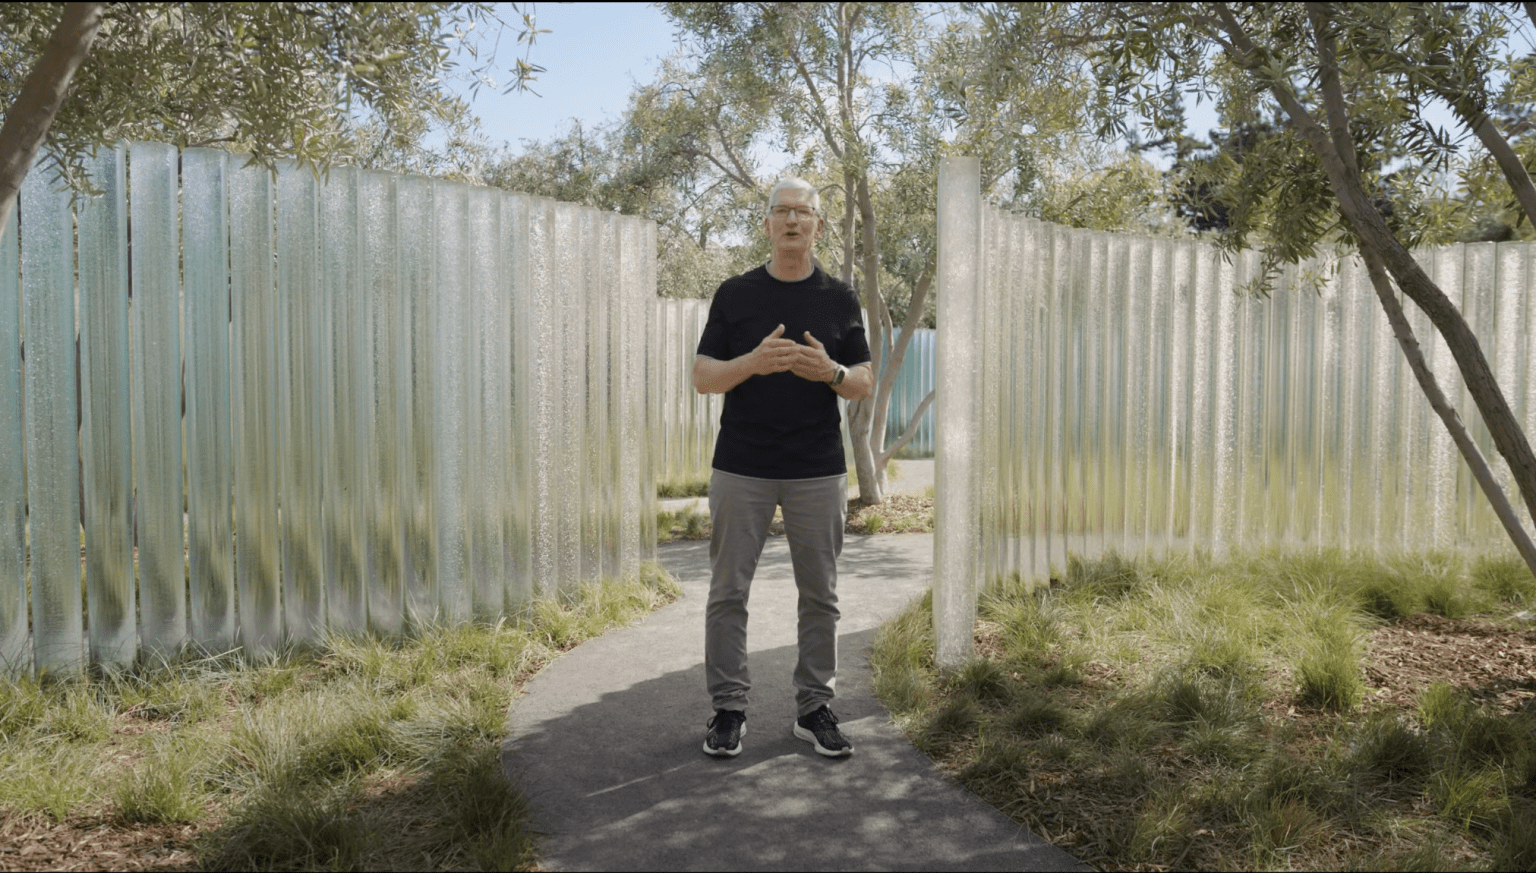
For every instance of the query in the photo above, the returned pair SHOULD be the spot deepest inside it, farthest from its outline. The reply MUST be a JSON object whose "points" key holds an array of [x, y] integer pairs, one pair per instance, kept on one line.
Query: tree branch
{"points": [[27, 122], [1374, 236], [911, 431]]}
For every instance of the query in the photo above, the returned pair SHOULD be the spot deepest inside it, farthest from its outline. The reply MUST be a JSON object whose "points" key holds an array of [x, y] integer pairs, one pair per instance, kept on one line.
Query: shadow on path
{"points": [[607, 743]]}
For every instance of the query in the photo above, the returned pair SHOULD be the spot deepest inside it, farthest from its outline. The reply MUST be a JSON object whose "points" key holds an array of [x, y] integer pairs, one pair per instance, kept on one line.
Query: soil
{"points": [[1494, 661], [36, 842]]}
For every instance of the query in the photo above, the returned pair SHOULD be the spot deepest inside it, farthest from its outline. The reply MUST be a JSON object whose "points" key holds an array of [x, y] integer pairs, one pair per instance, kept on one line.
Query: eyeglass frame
{"points": [[805, 213]]}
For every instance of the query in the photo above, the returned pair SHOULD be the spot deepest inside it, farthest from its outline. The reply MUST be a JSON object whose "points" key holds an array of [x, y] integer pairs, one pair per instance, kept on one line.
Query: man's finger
{"points": [[815, 343], [777, 332]]}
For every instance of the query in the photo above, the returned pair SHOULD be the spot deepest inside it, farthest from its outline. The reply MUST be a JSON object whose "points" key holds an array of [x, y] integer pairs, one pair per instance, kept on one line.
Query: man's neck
{"points": [[791, 267]]}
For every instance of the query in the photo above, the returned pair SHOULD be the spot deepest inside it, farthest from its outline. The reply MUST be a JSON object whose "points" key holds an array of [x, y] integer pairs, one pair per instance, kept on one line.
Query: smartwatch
{"points": [[838, 379]]}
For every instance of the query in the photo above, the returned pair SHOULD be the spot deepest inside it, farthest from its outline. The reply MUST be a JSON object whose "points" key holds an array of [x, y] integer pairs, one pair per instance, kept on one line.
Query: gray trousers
{"points": [[740, 508]]}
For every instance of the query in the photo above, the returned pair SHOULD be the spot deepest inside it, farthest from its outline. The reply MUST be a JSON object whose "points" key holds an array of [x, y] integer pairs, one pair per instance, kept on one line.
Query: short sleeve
{"points": [[854, 349], [714, 342]]}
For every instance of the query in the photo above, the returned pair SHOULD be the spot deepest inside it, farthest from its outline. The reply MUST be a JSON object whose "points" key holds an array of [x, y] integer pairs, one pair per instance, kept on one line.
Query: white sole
{"points": [[726, 753], [809, 737]]}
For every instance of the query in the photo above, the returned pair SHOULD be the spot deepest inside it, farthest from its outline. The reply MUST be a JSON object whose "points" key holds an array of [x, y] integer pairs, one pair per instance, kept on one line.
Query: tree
{"points": [[1351, 83], [865, 98], [274, 80]]}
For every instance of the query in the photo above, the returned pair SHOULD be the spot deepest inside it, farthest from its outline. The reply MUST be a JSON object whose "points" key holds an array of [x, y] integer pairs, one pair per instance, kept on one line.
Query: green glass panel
{"points": [[106, 441], [300, 435], [210, 475], [15, 652], [53, 470], [254, 332]]}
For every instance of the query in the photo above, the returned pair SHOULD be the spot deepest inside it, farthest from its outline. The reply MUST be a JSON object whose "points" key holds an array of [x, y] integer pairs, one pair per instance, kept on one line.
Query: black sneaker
{"points": [[820, 729], [725, 732]]}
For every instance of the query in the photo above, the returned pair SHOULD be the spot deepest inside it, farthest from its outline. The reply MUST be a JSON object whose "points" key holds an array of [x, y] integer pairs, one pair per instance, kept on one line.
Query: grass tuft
{"points": [[1505, 578], [1328, 666], [983, 681], [162, 789], [686, 487], [1110, 576]]}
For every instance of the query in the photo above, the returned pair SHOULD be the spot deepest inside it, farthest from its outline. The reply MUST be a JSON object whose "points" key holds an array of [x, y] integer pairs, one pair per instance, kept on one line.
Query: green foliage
{"points": [[273, 80], [1110, 576], [165, 788]]}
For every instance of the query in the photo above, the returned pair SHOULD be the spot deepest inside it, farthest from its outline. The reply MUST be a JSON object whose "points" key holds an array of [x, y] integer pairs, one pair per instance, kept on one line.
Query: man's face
{"points": [[790, 224]]}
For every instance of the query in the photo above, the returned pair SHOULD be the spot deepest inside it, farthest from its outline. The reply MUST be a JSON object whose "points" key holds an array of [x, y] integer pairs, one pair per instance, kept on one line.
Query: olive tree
{"points": [[271, 79], [1348, 86]]}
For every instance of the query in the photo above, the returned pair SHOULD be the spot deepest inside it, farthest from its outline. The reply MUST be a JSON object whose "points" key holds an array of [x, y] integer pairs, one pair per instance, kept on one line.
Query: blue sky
{"points": [[594, 54]]}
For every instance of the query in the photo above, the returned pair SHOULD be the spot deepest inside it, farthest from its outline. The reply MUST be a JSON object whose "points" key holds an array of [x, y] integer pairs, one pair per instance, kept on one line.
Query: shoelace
{"points": [[822, 720]]}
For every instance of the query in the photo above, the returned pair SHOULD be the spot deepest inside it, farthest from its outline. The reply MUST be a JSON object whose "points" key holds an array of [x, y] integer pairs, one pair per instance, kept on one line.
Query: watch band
{"points": [[842, 372]]}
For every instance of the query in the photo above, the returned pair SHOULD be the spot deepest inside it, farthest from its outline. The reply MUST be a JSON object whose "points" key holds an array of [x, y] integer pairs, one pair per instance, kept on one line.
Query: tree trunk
{"points": [[1335, 149], [1453, 424], [862, 412], [27, 122]]}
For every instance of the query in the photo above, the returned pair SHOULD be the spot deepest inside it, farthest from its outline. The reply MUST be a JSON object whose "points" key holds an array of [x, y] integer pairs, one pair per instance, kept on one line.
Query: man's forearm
{"points": [[712, 376], [858, 384]]}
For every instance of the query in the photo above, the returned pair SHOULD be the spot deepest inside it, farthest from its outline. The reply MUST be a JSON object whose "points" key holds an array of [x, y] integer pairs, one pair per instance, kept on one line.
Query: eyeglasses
{"points": [[804, 213]]}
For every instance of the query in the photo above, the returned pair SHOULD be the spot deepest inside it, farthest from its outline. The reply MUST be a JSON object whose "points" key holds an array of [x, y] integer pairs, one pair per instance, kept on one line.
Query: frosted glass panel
{"points": [[15, 653], [300, 436], [449, 397], [518, 500], [48, 297], [205, 296], [343, 390], [386, 441], [254, 331], [1131, 396], [955, 552], [155, 313], [311, 404], [105, 426], [485, 431], [416, 367]]}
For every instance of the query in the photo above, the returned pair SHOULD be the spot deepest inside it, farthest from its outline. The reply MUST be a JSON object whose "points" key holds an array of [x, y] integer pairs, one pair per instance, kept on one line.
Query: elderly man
{"points": [[783, 342]]}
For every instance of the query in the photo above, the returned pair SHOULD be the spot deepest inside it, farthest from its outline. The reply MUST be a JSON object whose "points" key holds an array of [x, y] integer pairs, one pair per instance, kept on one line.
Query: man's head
{"points": [[793, 222]]}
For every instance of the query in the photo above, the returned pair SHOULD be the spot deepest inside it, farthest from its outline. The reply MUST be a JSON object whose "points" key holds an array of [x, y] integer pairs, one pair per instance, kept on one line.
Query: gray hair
{"points": [[794, 183]]}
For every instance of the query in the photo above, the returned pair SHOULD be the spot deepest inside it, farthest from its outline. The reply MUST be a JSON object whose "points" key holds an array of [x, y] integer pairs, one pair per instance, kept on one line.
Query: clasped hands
{"points": [[776, 354]]}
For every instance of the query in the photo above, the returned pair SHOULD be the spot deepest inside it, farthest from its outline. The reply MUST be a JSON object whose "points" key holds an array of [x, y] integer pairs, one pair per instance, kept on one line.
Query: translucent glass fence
{"points": [[683, 443], [1121, 393], [913, 382], [309, 406]]}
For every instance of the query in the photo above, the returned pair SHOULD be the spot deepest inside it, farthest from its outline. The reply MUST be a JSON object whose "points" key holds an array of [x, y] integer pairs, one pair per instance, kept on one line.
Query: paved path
{"points": [[607, 742]]}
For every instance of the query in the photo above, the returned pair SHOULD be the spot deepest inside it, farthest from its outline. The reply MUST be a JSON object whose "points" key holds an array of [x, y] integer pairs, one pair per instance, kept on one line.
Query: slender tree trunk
{"points": [[1443, 408], [1335, 149], [28, 120]]}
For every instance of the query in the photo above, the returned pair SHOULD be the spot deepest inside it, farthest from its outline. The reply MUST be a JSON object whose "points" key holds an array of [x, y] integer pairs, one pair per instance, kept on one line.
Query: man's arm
{"points": [[815, 365], [858, 384], [773, 355]]}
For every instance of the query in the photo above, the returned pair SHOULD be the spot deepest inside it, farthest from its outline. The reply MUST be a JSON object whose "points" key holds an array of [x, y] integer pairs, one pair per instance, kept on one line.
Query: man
{"points": [[783, 342]]}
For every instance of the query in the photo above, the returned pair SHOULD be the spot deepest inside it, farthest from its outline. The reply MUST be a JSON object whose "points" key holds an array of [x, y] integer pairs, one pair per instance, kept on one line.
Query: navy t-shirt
{"points": [[781, 426]]}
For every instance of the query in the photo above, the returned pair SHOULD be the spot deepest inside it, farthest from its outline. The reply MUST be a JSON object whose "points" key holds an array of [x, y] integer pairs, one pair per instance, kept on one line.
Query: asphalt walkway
{"points": [[607, 743]]}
